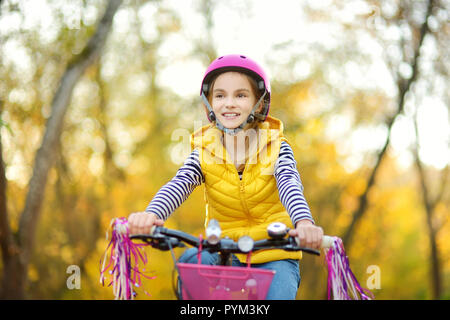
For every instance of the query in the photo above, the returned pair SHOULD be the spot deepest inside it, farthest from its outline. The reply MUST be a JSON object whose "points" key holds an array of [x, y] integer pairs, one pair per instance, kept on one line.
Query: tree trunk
{"points": [[10, 252], [403, 86], [432, 227], [15, 267], [435, 270]]}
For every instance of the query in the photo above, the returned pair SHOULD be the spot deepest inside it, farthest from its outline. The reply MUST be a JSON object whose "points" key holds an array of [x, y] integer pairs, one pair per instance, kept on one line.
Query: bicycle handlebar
{"points": [[164, 239]]}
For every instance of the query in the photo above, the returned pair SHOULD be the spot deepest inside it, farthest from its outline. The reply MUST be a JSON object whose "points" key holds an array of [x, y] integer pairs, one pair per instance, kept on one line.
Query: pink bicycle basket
{"points": [[205, 282]]}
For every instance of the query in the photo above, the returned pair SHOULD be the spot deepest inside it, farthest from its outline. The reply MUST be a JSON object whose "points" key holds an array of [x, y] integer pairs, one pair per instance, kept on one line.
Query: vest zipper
{"points": [[244, 204], [241, 192]]}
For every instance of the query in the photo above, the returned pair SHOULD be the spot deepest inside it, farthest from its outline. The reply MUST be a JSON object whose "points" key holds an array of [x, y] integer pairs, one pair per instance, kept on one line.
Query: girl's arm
{"points": [[290, 186], [177, 190], [291, 195]]}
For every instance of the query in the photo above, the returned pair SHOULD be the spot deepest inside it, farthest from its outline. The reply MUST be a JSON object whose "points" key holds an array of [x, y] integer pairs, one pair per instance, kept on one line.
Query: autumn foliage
{"points": [[123, 138]]}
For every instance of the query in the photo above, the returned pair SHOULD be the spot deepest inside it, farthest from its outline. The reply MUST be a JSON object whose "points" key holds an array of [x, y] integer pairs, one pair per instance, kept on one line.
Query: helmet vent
{"points": [[243, 57]]}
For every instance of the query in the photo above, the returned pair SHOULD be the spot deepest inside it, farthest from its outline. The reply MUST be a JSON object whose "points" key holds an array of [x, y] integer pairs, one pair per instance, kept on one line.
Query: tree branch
{"points": [[7, 244], [404, 87], [45, 155]]}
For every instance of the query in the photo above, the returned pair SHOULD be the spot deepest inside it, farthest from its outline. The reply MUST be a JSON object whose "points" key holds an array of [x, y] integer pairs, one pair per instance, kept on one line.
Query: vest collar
{"points": [[209, 138]]}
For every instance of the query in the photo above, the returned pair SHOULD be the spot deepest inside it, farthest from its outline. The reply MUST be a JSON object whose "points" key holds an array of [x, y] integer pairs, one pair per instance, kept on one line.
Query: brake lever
{"points": [[167, 244], [309, 250], [294, 243], [288, 244], [143, 237], [159, 241]]}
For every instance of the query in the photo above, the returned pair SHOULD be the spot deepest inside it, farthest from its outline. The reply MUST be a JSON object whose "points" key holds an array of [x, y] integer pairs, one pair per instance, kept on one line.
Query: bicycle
{"points": [[123, 257], [223, 281]]}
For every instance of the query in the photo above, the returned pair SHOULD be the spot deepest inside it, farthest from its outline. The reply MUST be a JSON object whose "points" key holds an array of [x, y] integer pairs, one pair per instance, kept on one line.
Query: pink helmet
{"points": [[240, 63]]}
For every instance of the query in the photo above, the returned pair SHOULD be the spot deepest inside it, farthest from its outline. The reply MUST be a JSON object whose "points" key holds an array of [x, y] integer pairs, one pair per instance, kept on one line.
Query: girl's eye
{"points": [[218, 96], [241, 95]]}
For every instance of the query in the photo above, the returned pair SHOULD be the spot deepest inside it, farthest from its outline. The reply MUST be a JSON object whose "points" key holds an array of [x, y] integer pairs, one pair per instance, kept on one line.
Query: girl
{"points": [[249, 171]]}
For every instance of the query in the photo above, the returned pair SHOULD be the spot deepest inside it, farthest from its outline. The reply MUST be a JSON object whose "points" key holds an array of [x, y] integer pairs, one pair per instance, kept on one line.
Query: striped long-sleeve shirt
{"points": [[190, 175]]}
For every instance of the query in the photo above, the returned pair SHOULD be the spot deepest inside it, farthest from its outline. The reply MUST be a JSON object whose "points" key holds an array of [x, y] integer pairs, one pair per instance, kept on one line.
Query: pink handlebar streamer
{"points": [[123, 262], [342, 283]]}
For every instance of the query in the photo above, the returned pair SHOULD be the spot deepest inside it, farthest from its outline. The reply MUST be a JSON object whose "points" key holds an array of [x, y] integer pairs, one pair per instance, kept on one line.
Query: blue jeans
{"points": [[284, 285]]}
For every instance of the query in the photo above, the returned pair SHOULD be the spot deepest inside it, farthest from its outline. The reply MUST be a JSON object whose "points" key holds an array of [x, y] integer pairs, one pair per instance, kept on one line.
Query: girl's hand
{"points": [[309, 235], [142, 222]]}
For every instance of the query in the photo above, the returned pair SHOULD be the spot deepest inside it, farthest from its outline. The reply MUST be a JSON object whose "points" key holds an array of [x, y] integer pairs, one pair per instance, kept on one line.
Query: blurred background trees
{"points": [[361, 86]]}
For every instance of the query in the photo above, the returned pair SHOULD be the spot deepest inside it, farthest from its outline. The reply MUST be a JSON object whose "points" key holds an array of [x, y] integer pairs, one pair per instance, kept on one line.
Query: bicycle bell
{"points": [[277, 230], [213, 232]]}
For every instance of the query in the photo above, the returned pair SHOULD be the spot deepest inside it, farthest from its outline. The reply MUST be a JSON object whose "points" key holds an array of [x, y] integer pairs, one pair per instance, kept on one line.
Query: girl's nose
{"points": [[229, 102]]}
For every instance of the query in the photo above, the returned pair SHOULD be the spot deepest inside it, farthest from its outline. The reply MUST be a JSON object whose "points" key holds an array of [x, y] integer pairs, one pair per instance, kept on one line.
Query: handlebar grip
{"points": [[327, 241]]}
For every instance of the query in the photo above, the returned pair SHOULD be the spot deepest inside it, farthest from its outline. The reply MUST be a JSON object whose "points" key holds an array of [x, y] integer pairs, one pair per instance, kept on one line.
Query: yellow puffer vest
{"points": [[247, 206]]}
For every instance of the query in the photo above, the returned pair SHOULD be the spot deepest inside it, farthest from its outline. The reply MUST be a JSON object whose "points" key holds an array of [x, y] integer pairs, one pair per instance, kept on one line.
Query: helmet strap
{"points": [[250, 119]]}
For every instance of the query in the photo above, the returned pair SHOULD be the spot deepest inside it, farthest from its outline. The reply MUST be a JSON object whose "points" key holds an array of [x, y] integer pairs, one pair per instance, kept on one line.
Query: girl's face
{"points": [[232, 99]]}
